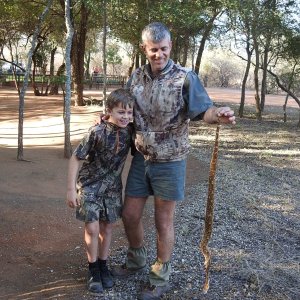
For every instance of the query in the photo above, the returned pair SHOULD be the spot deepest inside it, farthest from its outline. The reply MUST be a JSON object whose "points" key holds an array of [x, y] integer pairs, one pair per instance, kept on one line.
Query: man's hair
{"points": [[155, 32], [118, 96]]}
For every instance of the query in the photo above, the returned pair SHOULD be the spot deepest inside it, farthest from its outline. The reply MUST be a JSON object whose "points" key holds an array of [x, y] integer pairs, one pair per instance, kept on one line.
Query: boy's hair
{"points": [[118, 96], [155, 32]]}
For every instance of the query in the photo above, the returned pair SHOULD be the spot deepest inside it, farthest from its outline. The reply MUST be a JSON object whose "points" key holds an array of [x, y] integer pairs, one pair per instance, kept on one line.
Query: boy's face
{"points": [[120, 116], [158, 54]]}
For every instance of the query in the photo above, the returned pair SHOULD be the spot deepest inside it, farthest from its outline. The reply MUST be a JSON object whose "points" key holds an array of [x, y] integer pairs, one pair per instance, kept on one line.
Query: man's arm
{"points": [[74, 165], [200, 106]]}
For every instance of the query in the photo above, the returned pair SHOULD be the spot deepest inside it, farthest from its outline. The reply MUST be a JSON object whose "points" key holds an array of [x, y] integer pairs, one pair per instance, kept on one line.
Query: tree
{"points": [[113, 58], [239, 23], [26, 77], [104, 50], [80, 25], [67, 96], [261, 28], [287, 78]]}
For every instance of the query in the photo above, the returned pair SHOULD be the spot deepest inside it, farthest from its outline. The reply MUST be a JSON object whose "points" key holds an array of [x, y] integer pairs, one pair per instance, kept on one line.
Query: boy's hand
{"points": [[72, 198]]}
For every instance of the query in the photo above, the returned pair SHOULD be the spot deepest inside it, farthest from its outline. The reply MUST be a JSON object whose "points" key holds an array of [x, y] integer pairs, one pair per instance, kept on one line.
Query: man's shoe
{"points": [[106, 278], [154, 292], [94, 284], [121, 271]]}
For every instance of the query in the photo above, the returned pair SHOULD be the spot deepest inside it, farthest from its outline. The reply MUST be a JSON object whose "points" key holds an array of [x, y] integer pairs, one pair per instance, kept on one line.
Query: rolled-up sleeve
{"points": [[195, 96]]}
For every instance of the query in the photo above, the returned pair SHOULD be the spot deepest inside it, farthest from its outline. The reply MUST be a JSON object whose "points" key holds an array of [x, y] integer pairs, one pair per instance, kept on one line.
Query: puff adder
{"points": [[209, 214]]}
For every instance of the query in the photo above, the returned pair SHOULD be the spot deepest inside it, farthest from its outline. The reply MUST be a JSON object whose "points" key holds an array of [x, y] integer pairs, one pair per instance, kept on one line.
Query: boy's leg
{"points": [[91, 236], [105, 241]]}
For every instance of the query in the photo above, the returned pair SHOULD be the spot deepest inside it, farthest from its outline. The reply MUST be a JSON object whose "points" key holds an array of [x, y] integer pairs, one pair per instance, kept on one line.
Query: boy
{"points": [[96, 191]]}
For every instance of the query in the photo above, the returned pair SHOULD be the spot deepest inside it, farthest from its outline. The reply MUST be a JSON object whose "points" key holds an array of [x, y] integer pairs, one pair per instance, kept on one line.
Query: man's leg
{"points": [[132, 219], [164, 222], [161, 269], [168, 182], [136, 254], [136, 191]]}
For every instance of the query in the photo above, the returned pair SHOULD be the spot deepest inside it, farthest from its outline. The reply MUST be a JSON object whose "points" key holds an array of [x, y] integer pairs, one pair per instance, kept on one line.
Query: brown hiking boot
{"points": [[154, 292], [121, 271]]}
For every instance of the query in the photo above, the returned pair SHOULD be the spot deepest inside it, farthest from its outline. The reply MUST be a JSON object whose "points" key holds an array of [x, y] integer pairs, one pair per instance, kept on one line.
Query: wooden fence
{"points": [[94, 82]]}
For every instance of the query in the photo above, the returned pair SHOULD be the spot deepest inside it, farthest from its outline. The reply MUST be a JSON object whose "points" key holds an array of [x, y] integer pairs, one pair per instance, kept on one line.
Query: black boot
{"points": [[106, 277], [94, 284]]}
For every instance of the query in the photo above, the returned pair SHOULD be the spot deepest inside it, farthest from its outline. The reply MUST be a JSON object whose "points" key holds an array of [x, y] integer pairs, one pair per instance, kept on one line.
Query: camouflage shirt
{"points": [[104, 150], [161, 112]]}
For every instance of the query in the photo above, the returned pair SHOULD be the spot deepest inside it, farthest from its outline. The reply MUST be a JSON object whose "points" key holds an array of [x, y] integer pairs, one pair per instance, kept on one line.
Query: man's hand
{"points": [[102, 117], [223, 115]]}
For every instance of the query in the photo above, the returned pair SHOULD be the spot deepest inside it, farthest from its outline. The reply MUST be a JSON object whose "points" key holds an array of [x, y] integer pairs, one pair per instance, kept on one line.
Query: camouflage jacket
{"points": [[160, 113], [104, 150]]}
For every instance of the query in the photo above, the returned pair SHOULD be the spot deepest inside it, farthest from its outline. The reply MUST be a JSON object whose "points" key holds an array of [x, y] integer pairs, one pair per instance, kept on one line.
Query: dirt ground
{"points": [[41, 243]]}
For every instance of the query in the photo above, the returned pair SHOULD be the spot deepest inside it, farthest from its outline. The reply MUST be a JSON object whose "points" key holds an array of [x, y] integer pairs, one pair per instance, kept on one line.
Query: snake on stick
{"points": [[209, 214]]}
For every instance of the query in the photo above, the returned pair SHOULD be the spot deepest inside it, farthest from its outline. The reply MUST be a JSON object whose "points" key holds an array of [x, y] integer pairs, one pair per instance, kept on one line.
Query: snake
{"points": [[209, 214]]}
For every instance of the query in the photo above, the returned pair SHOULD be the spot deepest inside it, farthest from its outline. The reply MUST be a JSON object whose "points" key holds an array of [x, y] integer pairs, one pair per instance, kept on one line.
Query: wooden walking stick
{"points": [[209, 215]]}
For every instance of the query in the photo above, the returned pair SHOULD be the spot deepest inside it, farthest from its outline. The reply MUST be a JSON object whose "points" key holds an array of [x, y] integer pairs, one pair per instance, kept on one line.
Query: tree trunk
{"points": [[264, 75], [205, 36], [52, 59], [290, 84], [33, 83], [77, 54], [26, 77], [130, 69], [68, 94], [137, 60], [58, 79], [175, 47], [287, 90], [143, 59], [87, 65], [256, 81], [16, 79], [185, 50], [104, 54], [51, 77], [249, 55]]}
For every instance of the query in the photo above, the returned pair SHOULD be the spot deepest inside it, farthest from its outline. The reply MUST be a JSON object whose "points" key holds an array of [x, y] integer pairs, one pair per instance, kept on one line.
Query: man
{"points": [[167, 96]]}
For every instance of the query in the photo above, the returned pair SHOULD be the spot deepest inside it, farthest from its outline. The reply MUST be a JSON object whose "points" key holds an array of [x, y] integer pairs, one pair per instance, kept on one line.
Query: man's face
{"points": [[158, 54]]}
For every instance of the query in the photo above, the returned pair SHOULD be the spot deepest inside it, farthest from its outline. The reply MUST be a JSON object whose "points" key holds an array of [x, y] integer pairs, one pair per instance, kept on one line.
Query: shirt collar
{"points": [[165, 70]]}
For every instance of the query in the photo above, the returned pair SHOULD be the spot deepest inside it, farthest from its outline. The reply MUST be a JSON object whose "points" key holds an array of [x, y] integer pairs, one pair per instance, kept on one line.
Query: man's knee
{"points": [[130, 217]]}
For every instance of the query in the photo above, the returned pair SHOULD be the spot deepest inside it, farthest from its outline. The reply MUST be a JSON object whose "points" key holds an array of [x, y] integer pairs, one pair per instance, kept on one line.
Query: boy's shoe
{"points": [[94, 284], [121, 271], [106, 278], [154, 292]]}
